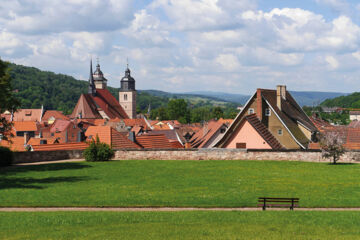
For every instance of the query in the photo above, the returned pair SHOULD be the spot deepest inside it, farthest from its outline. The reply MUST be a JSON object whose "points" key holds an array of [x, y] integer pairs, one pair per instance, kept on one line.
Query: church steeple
{"points": [[99, 79], [127, 93], [92, 89]]}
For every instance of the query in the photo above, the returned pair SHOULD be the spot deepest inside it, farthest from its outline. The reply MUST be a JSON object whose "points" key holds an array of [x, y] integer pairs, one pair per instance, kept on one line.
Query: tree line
{"points": [[34, 88]]}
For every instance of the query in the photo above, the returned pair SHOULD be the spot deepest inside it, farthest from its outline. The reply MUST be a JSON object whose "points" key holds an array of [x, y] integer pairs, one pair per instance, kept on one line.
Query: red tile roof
{"points": [[202, 137], [59, 125], [60, 146], [55, 114], [153, 141], [109, 104], [14, 143], [27, 115], [29, 126], [263, 131], [136, 122], [110, 136]]}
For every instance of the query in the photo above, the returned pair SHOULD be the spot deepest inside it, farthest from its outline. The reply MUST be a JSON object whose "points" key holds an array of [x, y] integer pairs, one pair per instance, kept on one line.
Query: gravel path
{"points": [[156, 209]]}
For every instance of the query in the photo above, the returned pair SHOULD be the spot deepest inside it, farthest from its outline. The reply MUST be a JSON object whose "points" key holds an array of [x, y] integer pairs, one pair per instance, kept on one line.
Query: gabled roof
{"points": [[153, 141], [59, 125], [55, 114], [291, 115], [91, 106], [136, 122], [28, 115], [201, 137], [110, 136], [263, 131]]}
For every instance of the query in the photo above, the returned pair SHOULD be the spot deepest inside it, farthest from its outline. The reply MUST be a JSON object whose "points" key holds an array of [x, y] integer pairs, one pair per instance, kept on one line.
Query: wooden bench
{"points": [[265, 202]]}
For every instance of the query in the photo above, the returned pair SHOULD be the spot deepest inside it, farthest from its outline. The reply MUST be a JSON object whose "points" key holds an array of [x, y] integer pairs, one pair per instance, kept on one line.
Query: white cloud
{"points": [[333, 63], [228, 62], [43, 17]]}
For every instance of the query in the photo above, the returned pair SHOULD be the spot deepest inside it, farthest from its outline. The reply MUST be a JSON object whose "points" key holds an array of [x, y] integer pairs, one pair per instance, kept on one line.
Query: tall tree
{"points": [[178, 109], [7, 100]]}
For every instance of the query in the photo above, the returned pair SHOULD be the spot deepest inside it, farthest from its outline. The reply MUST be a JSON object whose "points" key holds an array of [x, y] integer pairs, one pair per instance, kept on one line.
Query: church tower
{"points": [[127, 94], [99, 80]]}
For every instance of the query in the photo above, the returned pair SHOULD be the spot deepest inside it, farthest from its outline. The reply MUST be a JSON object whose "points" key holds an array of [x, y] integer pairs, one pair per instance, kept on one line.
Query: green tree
{"points": [[178, 109], [8, 102], [217, 113]]}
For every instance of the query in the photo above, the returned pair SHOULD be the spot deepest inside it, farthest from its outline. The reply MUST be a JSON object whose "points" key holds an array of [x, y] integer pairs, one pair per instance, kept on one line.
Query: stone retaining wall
{"points": [[228, 154], [44, 156], [189, 154]]}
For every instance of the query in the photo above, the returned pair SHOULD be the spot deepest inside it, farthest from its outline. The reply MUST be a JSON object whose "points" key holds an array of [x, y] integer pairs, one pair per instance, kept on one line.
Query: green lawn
{"points": [[179, 183], [180, 225]]}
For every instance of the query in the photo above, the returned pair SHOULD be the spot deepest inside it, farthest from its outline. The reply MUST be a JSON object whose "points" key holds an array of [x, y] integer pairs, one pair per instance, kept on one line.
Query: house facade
{"points": [[277, 122]]}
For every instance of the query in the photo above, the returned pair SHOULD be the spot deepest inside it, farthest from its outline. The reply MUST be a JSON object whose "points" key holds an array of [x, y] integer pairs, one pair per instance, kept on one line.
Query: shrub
{"points": [[98, 151], [6, 157]]}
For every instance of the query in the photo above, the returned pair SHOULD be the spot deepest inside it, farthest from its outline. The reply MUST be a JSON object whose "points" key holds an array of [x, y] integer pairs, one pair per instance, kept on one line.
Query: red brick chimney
{"points": [[259, 111]]}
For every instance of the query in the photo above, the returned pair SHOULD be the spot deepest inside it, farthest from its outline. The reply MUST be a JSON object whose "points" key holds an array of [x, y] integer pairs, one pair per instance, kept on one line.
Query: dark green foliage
{"points": [[6, 157], [339, 118], [178, 109], [8, 101], [61, 92], [98, 151], [349, 101], [217, 113]]}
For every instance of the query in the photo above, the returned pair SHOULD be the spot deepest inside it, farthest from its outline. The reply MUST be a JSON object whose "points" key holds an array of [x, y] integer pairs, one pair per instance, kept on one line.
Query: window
{"points": [[241, 145], [280, 132], [125, 97], [251, 111], [222, 130], [267, 112]]}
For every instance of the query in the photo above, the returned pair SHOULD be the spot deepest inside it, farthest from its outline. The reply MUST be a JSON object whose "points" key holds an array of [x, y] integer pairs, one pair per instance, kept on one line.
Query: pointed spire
{"points": [[91, 89]]}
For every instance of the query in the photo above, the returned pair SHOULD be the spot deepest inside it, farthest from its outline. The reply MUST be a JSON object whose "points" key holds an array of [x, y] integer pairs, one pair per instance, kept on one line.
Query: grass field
{"points": [[179, 183], [180, 225]]}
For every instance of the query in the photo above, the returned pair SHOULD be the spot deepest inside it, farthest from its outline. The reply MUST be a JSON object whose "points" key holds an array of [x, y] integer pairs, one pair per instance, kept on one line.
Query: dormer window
{"points": [[267, 112], [251, 111]]}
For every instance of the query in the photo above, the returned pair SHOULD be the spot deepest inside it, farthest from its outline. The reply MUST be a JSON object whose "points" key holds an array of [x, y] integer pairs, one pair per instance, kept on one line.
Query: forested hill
{"points": [[349, 101], [60, 92]]}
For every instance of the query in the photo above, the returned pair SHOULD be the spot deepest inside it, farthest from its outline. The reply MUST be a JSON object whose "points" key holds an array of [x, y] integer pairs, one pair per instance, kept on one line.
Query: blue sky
{"points": [[230, 46]]}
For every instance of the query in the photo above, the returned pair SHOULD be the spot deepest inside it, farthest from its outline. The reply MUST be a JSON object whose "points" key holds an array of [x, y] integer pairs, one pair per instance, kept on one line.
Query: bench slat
{"points": [[278, 200]]}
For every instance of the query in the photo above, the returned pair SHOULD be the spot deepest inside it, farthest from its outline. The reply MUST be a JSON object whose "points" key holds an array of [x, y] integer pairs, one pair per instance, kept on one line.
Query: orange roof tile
{"points": [[14, 143], [175, 144], [53, 114], [136, 122], [153, 141], [60, 146], [60, 125], [201, 137], [27, 115], [30, 126], [109, 136]]}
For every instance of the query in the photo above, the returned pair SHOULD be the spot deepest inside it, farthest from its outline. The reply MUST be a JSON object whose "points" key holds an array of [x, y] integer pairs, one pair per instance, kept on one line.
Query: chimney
{"points": [[259, 110], [26, 137], [280, 94], [132, 136]]}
